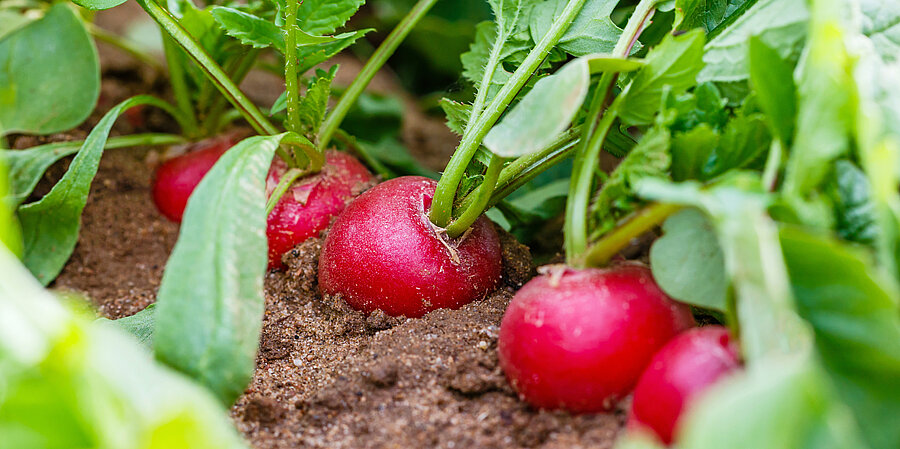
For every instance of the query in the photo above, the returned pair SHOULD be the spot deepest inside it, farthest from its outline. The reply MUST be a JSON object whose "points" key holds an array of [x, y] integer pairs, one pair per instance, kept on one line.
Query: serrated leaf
{"points": [[210, 302], [691, 151], [249, 29], [50, 226], [592, 31], [320, 17], [706, 14], [855, 211], [457, 114], [780, 24], [543, 113], [688, 263], [315, 54], [744, 141], [673, 65], [33, 62], [314, 104]]}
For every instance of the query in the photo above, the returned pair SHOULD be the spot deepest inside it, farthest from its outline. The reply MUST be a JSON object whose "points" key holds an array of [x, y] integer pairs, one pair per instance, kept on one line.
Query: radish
{"points": [[685, 367], [309, 205], [176, 178], [383, 253], [579, 339]]}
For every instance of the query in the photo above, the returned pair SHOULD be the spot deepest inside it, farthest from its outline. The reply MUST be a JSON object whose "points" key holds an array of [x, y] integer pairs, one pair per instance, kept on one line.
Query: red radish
{"points": [[309, 205], [383, 253], [686, 366], [176, 178], [579, 339]]}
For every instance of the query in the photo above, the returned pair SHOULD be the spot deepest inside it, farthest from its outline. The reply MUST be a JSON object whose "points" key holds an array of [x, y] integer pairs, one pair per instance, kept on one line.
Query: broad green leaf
{"points": [[26, 167], [139, 325], [320, 17], [49, 75], [881, 22], [688, 263], [773, 81], [745, 140], [853, 312], [753, 259], [706, 14], [210, 302], [592, 31], [780, 24], [650, 158], [70, 383], [672, 65], [50, 226], [457, 114], [779, 403], [12, 20], [543, 113], [10, 234]]}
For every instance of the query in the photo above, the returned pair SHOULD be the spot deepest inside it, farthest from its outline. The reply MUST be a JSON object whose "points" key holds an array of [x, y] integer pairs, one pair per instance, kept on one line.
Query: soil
{"points": [[327, 376]]}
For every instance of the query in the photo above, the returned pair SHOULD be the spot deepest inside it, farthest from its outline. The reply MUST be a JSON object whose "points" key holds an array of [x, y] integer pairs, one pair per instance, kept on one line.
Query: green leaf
{"points": [[98, 4], [650, 158], [780, 24], [543, 113], [753, 259], [825, 118], [688, 263], [673, 65], [691, 151], [26, 167], [375, 117], [706, 14], [881, 22], [50, 226], [457, 114], [249, 29], [139, 325], [855, 211], [853, 312], [210, 302], [773, 80], [70, 383], [314, 104], [13, 20], [745, 140], [319, 17], [592, 31], [779, 403], [49, 75], [315, 54], [10, 234]]}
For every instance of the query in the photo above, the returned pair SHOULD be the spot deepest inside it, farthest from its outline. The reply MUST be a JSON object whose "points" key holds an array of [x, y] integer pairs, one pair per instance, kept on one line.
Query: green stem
{"points": [[251, 113], [285, 183], [146, 140], [481, 199], [773, 164], [290, 66], [442, 205], [378, 59], [592, 138], [215, 118], [126, 46], [525, 168], [178, 80], [648, 218]]}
